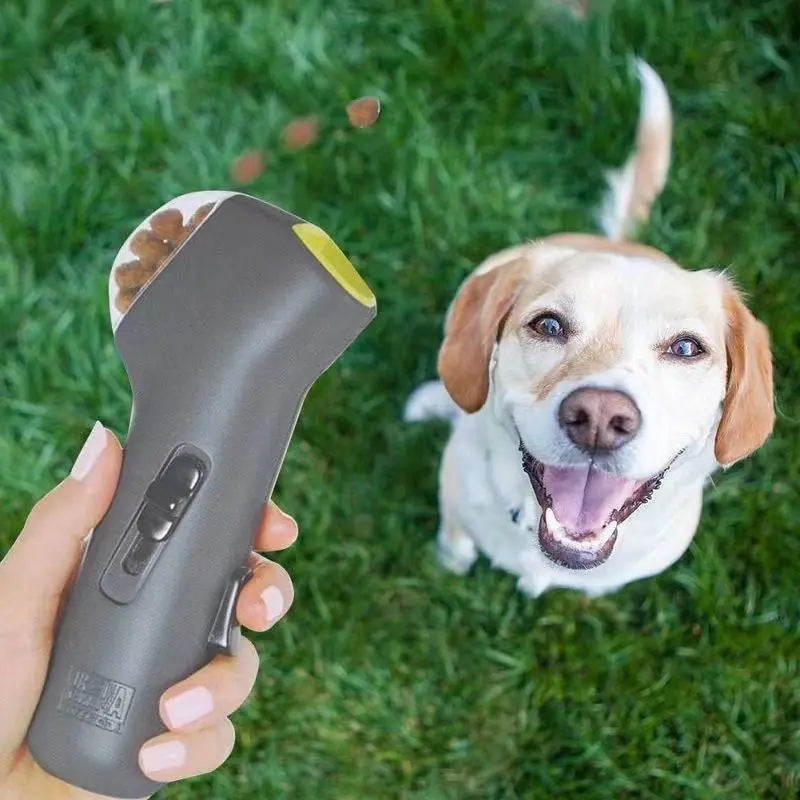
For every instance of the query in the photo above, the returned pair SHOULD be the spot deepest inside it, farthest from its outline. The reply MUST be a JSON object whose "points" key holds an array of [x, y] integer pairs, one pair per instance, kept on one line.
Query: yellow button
{"points": [[326, 251]]}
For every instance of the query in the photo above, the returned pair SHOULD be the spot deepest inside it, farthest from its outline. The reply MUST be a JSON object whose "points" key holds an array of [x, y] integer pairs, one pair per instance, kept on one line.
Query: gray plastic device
{"points": [[220, 346]]}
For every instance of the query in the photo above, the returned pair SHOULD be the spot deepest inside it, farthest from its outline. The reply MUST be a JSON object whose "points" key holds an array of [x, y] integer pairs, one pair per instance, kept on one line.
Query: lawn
{"points": [[390, 678]]}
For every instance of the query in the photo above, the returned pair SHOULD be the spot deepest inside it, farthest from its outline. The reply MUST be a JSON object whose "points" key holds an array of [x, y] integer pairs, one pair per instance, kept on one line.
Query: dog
{"points": [[593, 386]]}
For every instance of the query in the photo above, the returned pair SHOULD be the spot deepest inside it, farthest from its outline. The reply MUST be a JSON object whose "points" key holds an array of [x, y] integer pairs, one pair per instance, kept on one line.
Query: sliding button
{"points": [[152, 524], [184, 472], [167, 496], [139, 555]]}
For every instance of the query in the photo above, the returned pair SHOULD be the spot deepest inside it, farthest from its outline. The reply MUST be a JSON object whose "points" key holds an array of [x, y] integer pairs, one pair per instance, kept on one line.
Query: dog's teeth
{"points": [[557, 530], [588, 546], [555, 527], [607, 532]]}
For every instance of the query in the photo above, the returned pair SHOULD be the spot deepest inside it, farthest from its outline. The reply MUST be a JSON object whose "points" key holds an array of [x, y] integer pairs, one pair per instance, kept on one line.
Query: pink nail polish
{"points": [[274, 604], [188, 706], [162, 756], [92, 448]]}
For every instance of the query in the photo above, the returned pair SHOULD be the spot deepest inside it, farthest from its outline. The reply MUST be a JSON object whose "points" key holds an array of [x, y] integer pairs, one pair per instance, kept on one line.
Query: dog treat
{"points": [[199, 216], [168, 225], [132, 274], [149, 247], [301, 133], [124, 298], [184, 232], [363, 112], [248, 167]]}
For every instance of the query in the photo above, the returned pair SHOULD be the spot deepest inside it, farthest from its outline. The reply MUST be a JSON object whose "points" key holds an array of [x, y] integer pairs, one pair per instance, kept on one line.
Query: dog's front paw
{"points": [[530, 587], [456, 553]]}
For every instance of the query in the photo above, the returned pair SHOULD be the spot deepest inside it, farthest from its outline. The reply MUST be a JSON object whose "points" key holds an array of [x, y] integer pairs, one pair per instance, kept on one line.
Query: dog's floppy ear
{"points": [[474, 323], [748, 413]]}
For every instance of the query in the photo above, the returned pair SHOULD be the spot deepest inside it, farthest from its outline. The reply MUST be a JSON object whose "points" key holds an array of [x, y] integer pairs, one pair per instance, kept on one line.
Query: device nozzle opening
{"points": [[152, 243]]}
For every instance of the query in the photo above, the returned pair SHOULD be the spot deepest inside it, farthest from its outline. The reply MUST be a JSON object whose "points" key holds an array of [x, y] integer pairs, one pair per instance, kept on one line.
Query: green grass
{"points": [[391, 679]]}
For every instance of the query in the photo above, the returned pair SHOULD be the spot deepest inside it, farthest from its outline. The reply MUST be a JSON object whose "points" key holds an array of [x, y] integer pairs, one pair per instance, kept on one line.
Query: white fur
{"points": [[624, 302], [430, 401], [486, 500], [655, 100], [617, 201]]}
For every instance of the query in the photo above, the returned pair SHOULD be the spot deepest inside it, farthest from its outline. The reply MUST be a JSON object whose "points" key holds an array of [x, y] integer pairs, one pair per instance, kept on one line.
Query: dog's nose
{"points": [[599, 419]]}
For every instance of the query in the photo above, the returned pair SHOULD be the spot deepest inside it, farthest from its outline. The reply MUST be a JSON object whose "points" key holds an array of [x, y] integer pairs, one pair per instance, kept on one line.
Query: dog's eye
{"points": [[686, 348], [548, 326]]}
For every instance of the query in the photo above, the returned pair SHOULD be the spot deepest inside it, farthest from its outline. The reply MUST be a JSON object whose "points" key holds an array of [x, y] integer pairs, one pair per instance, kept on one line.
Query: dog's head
{"points": [[610, 361]]}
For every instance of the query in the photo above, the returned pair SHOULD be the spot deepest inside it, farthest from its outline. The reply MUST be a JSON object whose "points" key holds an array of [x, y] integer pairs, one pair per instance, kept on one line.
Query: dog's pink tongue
{"points": [[584, 498]]}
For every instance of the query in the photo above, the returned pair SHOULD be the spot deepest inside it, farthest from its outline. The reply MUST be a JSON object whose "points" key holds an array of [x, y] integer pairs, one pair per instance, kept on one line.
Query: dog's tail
{"points": [[430, 401], [633, 189]]}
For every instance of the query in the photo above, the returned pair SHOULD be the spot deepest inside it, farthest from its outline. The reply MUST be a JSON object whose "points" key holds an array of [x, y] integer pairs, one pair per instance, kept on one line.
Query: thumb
{"points": [[43, 559]]}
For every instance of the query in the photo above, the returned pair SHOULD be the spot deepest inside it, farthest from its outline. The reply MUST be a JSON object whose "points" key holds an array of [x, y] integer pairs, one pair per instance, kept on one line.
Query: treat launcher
{"points": [[225, 310]]}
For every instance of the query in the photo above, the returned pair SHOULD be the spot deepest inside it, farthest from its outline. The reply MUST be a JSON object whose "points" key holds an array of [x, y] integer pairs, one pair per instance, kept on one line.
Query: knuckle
{"points": [[40, 514]]}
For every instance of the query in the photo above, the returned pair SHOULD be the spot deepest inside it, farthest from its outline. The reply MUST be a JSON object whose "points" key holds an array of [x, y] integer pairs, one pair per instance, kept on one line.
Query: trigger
{"points": [[225, 633]]}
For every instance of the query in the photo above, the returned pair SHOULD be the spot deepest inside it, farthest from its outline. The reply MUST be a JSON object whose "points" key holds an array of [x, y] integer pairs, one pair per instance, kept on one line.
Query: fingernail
{"points": [[94, 445], [289, 524], [274, 604], [161, 756], [188, 706], [286, 521]]}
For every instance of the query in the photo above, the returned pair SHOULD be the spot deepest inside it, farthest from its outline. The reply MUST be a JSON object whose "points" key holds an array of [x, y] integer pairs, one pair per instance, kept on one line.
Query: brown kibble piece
{"points": [[132, 274], [578, 8], [149, 248], [300, 133], [363, 112], [159, 266], [199, 215], [167, 225], [183, 235], [248, 167], [124, 299]]}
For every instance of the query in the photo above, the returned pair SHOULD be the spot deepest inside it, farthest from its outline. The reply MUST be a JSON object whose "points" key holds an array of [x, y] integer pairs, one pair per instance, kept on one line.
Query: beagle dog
{"points": [[593, 385]]}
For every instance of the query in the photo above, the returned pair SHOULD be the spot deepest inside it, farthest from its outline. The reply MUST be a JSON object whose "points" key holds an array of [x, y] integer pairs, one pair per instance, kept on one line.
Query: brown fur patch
{"points": [[652, 151], [588, 243], [601, 353], [473, 324], [748, 413]]}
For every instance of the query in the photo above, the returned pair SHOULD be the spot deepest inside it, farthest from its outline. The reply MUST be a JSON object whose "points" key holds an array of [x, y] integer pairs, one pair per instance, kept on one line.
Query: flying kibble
{"points": [[363, 112], [248, 167], [578, 8], [301, 133]]}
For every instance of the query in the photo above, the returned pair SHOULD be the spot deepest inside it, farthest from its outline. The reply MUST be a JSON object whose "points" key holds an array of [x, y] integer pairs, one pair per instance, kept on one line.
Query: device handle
{"points": [[220, 349]]}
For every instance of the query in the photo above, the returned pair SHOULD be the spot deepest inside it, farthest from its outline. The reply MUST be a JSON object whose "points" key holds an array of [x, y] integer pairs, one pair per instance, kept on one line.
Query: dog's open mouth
{"points": [[581, 509]]}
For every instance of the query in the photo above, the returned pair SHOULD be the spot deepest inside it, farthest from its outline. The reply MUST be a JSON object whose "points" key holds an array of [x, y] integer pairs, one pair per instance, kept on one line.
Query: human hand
{"points": [[34, 577]]}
